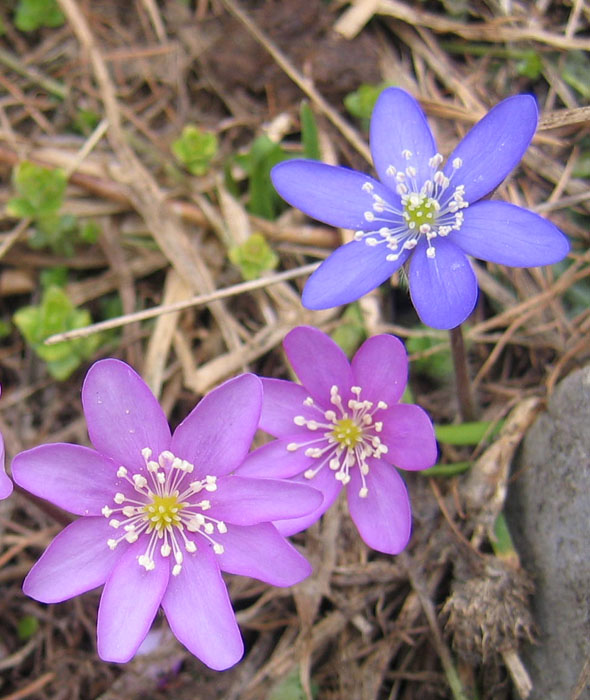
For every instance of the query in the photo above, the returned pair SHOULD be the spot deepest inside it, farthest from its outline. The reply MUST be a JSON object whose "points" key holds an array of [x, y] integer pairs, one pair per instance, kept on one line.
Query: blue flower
{"points": [[421, 212]]}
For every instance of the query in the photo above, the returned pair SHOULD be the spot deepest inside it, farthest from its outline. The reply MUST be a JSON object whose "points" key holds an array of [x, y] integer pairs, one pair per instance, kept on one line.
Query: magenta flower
{"points": [[344, 427], [5, 483], [420, 212], [162, 515]]}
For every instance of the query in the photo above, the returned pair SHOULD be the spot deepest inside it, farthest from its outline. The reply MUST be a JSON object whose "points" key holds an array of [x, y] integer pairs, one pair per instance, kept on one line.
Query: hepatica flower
{"points": [[422, 212], [5, 483], [343, 427], [162, 515]]}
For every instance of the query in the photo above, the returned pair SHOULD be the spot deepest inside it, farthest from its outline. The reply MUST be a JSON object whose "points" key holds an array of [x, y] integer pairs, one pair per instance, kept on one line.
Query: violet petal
{"points": [[443, 288], [5, 482], [319, 363], [76, 561], [350, 272], [128, 605], [282, 400], [275, 461], [509, 235], [200, 613], [380, 368], [337, 196], [218, 432], [123, 415], [494, 146], [409, 437], [384, 517], [247, 501], [260, 552], [398, 124], [75, 478]]}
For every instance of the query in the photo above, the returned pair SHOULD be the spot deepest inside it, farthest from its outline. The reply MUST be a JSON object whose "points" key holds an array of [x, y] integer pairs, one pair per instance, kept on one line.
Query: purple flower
{"points": [[162, 515], [5, 483], [431, 216], [344, 427]]}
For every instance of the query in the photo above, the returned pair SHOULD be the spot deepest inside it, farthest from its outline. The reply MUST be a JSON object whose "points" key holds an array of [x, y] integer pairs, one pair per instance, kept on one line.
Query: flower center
{"points": [[347, 432], [159, 505], [428, 210], [346, 436]]}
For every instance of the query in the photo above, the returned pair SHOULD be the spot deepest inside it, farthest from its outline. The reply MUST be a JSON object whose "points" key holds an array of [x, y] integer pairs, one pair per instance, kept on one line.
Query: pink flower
{"points": [[343, 427], [162, 515]]}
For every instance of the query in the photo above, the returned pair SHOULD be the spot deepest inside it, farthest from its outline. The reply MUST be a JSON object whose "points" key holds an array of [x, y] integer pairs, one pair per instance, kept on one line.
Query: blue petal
{"points": [[351, 271], [397, 124], [443, 288], [494, 146], [509, 235], [328, 193]]}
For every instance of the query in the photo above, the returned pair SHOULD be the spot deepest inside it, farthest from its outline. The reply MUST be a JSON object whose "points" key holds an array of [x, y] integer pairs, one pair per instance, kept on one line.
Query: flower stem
{"points": [[463, 383]]}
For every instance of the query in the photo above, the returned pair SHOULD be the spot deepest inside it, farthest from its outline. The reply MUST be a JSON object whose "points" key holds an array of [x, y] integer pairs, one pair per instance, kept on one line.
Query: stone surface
{"points": [[548, 511]]}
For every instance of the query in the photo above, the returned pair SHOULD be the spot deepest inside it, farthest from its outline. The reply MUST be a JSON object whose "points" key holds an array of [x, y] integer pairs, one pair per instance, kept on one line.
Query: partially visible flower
{"points": [[344, 427], [5, 483], [162, 515], [431, 216]]}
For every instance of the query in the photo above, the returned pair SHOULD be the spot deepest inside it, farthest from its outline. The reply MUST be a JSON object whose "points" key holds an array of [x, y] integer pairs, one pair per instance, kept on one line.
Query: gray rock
{"points": [[548, 511]]}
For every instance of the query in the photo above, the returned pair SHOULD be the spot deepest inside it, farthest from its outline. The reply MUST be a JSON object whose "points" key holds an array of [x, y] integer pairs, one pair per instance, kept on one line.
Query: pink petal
{"points": [[5, 483], [281, 402], [409, 436], [128, 605], [123, 415], [75, 478], [217, 434], [77, 561], [200, 613], [275, 461], [246, 501], [324, 482], [384, 517], [380, 368], [319, 363], [260, 552]]}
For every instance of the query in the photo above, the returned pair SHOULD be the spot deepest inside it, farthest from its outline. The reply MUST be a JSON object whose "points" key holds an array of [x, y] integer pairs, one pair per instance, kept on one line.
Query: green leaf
{"points": [[41, 190], [467, 433], [446, 469], [309, 133], [56, 314], [361, 102], [351, 333], [85, 121], [502, 543], [32, 14], [26, 627], [437, 365], [530, 65], [195, 149], [576, 72], [254, 257], [257, 163], [54, 276], [291, 689]]}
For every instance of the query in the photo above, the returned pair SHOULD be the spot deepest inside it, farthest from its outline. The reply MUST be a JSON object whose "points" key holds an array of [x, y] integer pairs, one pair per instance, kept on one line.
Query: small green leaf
{"points": [[530, 65], [291, 689], [26, 627], [254, 257], [351, 333], [32, 14], [309, 133], [446, 469], [437, 365], [56, 314], [467, 433], [195, 149], [85, 121], [41, 190], [502, 544], [361, 102], [54, 277]]}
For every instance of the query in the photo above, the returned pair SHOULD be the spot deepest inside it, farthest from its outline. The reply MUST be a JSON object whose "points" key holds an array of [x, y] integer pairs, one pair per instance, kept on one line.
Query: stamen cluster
{"points": [[427, 210], [163, 509], [349, 436]]}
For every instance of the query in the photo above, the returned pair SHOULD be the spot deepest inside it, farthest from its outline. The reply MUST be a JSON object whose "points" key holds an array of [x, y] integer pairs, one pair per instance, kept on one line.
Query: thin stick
{"points": [[462, 380], [181, 305]]}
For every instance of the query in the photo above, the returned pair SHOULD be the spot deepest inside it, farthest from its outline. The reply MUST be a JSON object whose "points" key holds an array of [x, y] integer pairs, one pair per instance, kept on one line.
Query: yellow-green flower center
{"points": [[163, 512], [419, 209], [347, 433]]}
